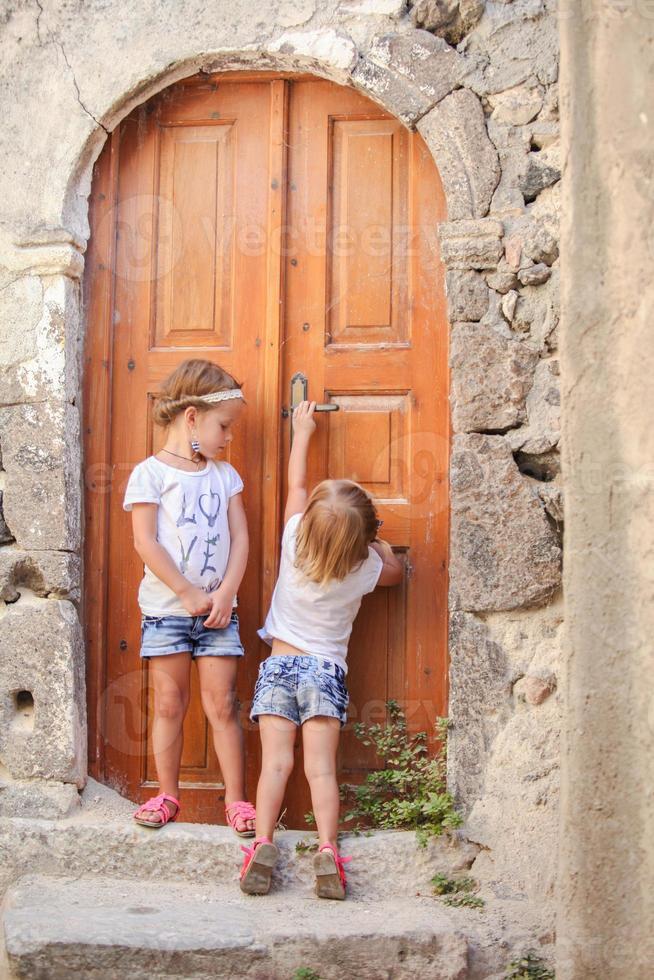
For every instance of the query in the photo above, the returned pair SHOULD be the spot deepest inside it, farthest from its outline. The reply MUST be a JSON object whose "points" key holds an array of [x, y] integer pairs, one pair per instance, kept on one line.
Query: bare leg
{"points": [[277, 743], [218, 691], [320, 737], [170, 676]]}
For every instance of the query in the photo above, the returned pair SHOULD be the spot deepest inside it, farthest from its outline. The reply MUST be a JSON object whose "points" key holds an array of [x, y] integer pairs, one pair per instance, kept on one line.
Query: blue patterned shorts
{"points": [[299, 688], [161, 635]]}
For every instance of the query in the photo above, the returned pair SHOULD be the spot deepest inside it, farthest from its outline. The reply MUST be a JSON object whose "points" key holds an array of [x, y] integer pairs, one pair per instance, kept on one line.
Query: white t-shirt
{"points": [[316, 619], [192, 525]]}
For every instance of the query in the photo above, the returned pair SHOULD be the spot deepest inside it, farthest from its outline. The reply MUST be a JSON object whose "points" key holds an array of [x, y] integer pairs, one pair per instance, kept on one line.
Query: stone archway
{"points": [[505, 553]]}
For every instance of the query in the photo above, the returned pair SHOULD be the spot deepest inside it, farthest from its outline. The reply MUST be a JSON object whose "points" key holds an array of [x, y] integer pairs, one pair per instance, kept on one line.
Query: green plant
{"points": [[305, 973], [529, 966], [457, 890], [305, 846], [310, 818], [409, 792], [446, 886], [474, 901]]}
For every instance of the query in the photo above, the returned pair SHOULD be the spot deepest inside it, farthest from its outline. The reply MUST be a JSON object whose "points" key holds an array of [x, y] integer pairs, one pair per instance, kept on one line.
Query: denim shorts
{"points": [[299, 688], [161, 635]]}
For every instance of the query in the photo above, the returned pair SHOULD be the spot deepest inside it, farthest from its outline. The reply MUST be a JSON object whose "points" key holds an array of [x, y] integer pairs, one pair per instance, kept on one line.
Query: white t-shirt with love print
{"points": [[192, 526]]}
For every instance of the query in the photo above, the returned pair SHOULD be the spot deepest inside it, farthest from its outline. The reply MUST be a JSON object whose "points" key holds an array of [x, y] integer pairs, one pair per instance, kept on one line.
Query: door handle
{"points": [[300, 393]]}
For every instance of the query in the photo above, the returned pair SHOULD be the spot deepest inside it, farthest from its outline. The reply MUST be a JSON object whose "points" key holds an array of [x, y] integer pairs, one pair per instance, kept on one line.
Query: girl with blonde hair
{"points": [[331, 557], [190, 529]]}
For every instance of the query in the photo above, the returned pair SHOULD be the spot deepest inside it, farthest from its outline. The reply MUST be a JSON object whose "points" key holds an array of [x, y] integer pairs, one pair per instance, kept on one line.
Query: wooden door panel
{"points": [[273, 224], [185, 286], [368, 440], [364, 320], [367, 270], [194, 303]]}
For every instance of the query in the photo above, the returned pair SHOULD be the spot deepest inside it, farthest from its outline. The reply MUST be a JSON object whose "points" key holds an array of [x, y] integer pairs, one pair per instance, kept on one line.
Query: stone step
{"points": [[202, 852], [110, 929]]}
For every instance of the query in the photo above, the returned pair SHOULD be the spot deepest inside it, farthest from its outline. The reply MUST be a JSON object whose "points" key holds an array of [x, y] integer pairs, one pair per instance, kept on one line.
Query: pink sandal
{"points": [[156, 804], [330, 873], [258, 865], [244, 810]]}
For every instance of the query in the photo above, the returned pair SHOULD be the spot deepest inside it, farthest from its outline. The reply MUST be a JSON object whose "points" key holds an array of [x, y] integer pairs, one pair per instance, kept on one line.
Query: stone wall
{"points": [[479, 81]]}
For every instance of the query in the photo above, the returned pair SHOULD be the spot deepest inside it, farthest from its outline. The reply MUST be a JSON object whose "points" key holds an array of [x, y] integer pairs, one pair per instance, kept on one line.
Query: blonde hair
{"points": [[335, 530], [194, 376]]}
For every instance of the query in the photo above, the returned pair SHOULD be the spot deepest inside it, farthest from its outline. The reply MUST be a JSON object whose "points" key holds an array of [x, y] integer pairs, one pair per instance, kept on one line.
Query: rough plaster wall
{"points": [[606, 912], [479, 81]]}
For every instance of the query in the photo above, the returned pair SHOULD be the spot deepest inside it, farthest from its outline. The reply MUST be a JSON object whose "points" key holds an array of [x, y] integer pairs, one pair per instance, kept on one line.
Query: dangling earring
{"points": [[195, 445]]}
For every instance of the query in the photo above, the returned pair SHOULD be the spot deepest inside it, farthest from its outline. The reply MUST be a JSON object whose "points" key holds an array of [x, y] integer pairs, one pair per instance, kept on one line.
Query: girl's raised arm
{"points": [[303, 428]]}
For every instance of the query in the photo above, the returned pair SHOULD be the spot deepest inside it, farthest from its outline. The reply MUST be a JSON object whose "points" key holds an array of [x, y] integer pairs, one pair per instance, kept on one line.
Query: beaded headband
{"points": [[219, 396]]}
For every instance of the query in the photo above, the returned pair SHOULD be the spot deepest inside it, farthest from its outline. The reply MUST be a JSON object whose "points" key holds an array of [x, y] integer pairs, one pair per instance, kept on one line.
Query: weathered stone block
{"points": [[53, 574], [552, 497], [471, 244], [534, 275], [503, 279], [451, 19], [467, 295], [543, 429], [39, 321], [504, 553], [37, 799], [513, 146], [539, 244], [539, 174], [391, 90], [428, 63], [21, 309], [518, 105], [546, 135], [479, 704], [537, 313], [455, 131], [42, 691], [41, 454], [513, 252], [491, 376], [327, 47], [509, 304], [514, 43]]}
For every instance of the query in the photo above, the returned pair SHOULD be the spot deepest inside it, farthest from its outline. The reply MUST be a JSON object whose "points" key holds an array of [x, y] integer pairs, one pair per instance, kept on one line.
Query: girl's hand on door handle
{"points": [[303, 420]]}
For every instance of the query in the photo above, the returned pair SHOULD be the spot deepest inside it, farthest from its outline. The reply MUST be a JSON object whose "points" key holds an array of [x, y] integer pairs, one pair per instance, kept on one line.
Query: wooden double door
{"points": [[276, 225]]}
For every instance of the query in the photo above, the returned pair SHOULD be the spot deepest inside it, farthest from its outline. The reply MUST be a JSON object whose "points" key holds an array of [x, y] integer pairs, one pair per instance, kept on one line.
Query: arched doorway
{"points": [[275, 223]]}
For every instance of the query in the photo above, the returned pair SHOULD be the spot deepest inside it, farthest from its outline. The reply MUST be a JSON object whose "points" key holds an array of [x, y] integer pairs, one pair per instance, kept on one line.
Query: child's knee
{"points": [[171, 705], [315, 769], [281, 766], [219, 706]]}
